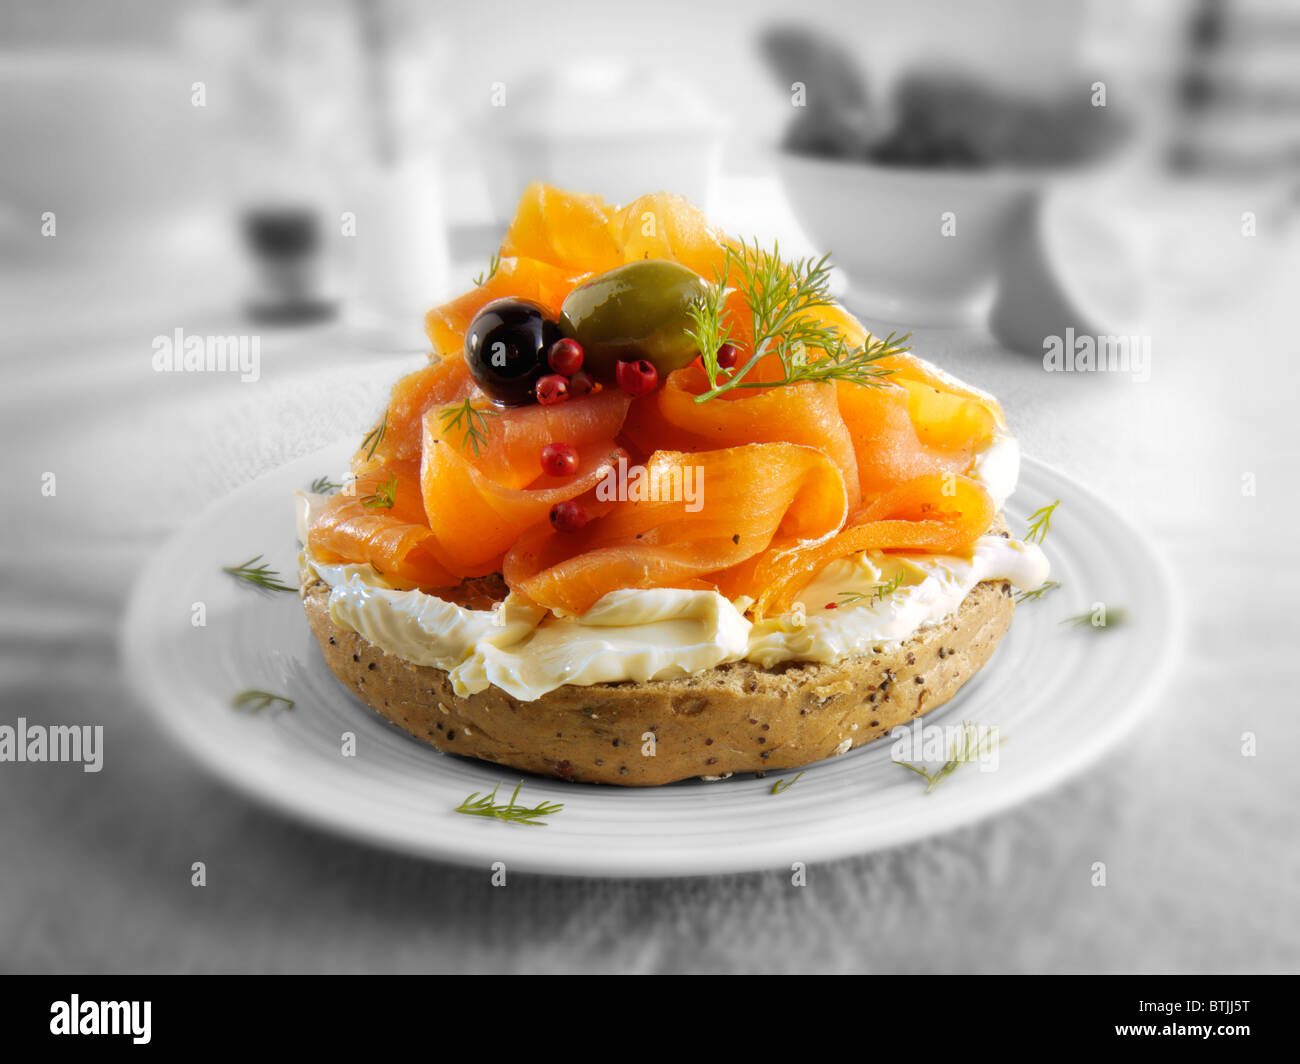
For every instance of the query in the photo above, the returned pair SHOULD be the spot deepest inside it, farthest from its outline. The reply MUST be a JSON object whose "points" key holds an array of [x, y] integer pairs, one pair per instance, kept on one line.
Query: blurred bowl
{"points": [[885, 227]]}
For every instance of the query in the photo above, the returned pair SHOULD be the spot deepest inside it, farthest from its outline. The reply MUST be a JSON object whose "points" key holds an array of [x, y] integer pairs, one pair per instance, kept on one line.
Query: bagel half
{"points": [[737, 717]]}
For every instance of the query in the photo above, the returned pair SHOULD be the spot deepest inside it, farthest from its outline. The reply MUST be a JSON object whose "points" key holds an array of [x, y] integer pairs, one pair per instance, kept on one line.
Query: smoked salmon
{"points": [[355, 527], [476, 518], [749, 495], [789, 477], [807, 414], [934, 513], [398, 436]]}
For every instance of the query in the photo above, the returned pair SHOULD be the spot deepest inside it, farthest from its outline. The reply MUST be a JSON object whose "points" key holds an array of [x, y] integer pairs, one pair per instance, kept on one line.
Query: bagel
{"points": [[735, 717]]}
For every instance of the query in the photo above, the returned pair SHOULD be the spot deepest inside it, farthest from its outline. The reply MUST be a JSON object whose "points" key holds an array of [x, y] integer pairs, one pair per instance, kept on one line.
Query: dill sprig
{"points": [[255, 701], [853, 364], [493, 265], [1040, 522], [1034, 594], [262, 576], [375, 436], [784, 785], [384, 495], [709, 314], [962, 752], [470, 420], [486, 805], [780, 296], [876, 594], [324, 486], [1109, 618]]}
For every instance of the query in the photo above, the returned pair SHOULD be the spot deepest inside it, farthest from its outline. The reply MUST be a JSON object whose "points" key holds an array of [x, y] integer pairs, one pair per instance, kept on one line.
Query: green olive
{"points": [[634, 311]]}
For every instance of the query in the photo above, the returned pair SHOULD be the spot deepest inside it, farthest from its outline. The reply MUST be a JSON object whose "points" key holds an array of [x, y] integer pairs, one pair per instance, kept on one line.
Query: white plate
{"points": [[1061, 696]]}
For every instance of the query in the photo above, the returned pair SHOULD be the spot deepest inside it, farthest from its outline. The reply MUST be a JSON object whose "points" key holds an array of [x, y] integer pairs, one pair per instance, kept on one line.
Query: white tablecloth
{"points": [[1200, 842]]}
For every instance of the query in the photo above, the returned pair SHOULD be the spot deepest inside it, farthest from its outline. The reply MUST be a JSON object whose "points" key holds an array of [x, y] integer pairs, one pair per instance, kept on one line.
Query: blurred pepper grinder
{"points": [[285, 243]]}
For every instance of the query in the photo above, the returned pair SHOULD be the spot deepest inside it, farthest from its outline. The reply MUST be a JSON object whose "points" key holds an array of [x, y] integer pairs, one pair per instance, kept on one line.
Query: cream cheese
{"points": [[658, 633], [628, 635], [998, 469], [844, 613]]}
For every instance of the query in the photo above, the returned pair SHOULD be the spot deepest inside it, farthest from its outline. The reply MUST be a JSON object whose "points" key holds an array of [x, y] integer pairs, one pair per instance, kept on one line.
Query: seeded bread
{"points": [[733, 718]]}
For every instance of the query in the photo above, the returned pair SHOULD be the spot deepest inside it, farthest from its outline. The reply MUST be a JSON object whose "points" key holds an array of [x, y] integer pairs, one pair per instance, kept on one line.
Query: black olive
{"points": [[505, 349]]}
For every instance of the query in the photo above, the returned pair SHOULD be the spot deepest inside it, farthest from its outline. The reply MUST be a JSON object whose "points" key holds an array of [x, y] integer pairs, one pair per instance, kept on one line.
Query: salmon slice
{"points": [[570, 231], [395, 540], [474, 518], [888, 444], [948, 422], [806, 414], [511, 454], [935, 513], [667, 226], [908, 368], [440, 384], [746, 495]]}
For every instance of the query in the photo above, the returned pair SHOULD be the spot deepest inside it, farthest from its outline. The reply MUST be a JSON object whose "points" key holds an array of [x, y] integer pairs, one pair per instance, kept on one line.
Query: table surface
{"points": [[1200, 842]]}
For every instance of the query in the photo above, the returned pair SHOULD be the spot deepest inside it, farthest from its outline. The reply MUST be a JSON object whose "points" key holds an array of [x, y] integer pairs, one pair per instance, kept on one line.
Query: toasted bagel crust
{"points": [[733, 718]]}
